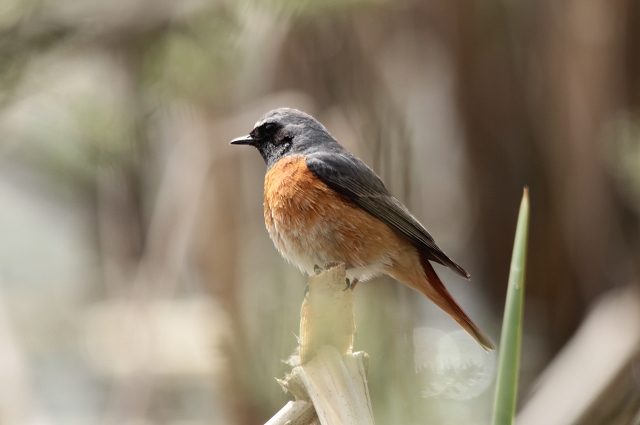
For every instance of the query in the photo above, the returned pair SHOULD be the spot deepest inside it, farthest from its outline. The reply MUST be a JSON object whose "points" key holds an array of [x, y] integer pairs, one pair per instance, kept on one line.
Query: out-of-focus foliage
{"points": [[624, 137]]}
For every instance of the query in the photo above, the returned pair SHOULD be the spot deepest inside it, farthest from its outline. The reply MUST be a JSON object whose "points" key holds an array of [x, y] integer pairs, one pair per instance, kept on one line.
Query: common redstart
{"points": [[323, 204]]}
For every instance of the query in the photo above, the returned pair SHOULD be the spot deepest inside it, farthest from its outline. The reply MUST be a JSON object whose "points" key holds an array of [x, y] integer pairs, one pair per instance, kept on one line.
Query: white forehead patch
{"points": [[257, 124]]}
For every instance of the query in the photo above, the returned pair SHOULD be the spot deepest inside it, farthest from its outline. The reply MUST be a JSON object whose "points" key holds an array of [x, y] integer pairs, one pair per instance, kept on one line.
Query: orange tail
{"points": [[443, 299]]}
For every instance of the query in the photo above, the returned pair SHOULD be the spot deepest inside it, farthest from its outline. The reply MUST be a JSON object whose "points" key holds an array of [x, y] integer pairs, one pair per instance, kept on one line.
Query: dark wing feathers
{"points": [[350, 177]]}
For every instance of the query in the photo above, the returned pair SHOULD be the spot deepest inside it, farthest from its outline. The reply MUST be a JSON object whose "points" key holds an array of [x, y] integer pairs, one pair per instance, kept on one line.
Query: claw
{"points": [[351, 284], [348, 285]]}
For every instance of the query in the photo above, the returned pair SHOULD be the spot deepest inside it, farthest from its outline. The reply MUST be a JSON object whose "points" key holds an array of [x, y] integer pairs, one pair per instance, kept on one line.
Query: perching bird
{"points": [[323, 204]]}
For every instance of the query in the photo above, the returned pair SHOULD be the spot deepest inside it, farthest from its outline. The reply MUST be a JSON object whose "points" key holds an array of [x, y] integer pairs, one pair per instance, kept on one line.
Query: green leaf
{"points": [[507, 383]]}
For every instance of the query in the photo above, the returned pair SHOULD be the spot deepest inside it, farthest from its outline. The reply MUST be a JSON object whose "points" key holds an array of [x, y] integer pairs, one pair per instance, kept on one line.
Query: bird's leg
{"points": [[351, 284], [354, 282], [306, 290]]}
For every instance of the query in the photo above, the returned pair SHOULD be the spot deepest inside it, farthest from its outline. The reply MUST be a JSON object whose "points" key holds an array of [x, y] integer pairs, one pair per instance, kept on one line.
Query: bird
{"points": [[323, 204]]}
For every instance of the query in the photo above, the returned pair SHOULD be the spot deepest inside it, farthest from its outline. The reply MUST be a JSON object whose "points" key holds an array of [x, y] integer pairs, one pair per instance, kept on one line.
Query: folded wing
{"points": [[351, 177]]}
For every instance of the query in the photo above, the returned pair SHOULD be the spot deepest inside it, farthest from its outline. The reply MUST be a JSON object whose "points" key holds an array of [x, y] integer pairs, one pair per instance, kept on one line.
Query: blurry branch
{"points": [[18, 43], [133, 26], [174, 212], [38, 31], [18, 404], [218, 260], [166, 244], [119, 230], [339, 70], [594, 379], [329, 375], [176, 205]]}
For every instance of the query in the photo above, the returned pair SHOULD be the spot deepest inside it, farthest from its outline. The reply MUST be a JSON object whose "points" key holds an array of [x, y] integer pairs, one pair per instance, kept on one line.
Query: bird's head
{"points": [[285, 131]]}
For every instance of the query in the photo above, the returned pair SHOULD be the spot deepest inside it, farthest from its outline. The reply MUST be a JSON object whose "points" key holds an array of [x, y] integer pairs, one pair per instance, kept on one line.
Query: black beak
{"points": [[243, 140]]}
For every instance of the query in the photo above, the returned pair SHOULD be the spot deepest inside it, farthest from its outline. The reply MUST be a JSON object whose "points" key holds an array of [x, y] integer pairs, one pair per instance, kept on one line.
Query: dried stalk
{"points": [[326, 372]]}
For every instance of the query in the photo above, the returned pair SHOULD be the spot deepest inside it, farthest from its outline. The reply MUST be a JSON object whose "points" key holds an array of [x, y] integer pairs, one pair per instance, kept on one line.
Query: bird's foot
{"points": [[317, 269], [351, 284]]}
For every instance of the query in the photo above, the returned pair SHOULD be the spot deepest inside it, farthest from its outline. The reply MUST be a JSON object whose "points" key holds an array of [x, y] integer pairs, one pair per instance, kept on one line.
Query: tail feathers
{"points": [[443, 299]]}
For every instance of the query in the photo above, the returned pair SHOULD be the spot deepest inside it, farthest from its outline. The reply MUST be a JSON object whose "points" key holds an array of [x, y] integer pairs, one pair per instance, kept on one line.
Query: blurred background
{"points": [[138, 284]]}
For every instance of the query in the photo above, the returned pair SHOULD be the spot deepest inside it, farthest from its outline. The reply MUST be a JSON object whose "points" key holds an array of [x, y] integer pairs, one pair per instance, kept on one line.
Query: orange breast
{"points": [[311, 224]]}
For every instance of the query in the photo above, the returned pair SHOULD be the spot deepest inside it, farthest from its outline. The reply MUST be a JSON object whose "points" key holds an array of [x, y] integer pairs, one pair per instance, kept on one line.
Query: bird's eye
{"points": [[269, 128]]}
